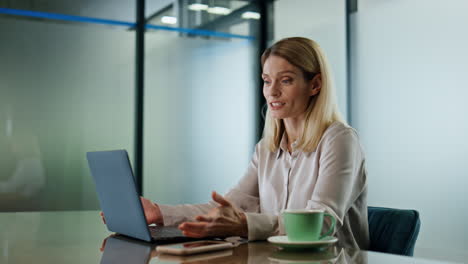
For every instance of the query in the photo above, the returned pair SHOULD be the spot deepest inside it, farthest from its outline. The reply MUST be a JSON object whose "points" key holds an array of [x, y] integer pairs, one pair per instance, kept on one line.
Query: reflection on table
{"points": [[119, 249], [80, 237]]}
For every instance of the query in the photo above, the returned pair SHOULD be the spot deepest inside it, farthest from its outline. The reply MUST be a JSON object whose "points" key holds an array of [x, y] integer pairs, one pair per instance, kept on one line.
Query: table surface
{"points": [[80, 237]]}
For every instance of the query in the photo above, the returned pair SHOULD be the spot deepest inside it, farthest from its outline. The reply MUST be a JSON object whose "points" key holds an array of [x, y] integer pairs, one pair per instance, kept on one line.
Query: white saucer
{"points": [[304, 257], [283, 241]]}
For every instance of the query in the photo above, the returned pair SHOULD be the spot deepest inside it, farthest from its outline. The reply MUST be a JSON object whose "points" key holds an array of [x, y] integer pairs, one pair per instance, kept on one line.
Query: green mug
{"points": [[306, 225]]}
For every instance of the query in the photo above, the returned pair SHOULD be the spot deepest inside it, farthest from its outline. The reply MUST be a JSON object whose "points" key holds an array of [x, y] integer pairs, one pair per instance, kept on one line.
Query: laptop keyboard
{"points": [[165, 232]]}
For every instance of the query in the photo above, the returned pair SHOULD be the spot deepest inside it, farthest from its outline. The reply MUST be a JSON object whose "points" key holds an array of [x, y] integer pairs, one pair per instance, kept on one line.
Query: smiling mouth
{"points": [[276, 105]]}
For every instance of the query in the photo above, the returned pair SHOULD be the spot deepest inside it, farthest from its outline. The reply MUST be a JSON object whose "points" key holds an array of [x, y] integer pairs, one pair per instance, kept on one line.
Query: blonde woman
{"points": [[308, 158]]}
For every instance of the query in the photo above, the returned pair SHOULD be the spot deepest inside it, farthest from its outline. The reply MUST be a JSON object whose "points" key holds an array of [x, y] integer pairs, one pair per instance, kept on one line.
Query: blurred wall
{"points": [[409, 90], [408, 64], [65, 88], [199, 115], [68, 88], [323, 21]]}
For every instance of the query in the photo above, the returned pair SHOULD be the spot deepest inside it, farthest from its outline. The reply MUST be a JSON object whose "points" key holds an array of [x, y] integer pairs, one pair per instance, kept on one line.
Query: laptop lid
{"points": [[117, 193], [118, 250]]}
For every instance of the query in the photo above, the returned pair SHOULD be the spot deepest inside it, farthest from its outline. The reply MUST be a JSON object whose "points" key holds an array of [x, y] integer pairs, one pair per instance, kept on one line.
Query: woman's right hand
{"points": [[152, 212]]}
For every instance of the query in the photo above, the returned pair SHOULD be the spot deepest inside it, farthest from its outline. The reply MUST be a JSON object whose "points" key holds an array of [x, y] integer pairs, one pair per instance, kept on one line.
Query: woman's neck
{"points": [[293, 128]]}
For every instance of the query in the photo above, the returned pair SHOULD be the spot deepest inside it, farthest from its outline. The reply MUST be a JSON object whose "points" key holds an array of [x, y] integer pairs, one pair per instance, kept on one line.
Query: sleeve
{"points": [[244, 195], [340, 180], [260, 225], [173, 215]]}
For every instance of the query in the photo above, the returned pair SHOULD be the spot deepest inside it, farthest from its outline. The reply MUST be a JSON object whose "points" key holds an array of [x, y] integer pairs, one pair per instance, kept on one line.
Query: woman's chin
{"points": [[277, 116]]}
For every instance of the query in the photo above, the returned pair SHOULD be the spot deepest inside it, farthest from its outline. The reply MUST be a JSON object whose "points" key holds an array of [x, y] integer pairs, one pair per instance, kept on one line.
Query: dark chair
{"points": [[393, 230]]}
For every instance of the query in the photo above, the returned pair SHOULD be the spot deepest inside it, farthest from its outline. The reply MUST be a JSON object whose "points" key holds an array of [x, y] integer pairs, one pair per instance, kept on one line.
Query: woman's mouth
{"points": [[276, 105]]}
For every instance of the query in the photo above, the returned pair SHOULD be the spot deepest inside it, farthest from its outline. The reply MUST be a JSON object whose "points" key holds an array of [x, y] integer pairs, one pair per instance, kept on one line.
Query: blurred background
{"points": [[177, 84]]}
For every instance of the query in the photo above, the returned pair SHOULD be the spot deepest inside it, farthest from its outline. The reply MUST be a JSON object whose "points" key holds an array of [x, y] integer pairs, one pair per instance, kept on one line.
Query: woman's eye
{"points": [[266, 82], [286, 81]]}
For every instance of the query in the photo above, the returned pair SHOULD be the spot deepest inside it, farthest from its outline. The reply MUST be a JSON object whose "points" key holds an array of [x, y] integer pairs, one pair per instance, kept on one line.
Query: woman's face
{"points": [[285, 88]]}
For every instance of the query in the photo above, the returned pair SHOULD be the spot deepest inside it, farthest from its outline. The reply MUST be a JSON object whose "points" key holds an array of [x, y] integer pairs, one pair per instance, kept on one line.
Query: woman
{"points": [[308, 158]]}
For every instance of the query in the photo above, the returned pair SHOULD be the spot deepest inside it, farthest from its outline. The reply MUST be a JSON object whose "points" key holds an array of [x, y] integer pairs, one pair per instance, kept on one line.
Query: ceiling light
{"points": [[197, 7], [219, 10], [250, 15], [169, 20]]}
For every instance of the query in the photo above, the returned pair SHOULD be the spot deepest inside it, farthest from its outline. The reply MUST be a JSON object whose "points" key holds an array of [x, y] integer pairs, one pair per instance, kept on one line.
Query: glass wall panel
{"points": [[200, 113], [65, 89], [323, 21], [224, 16], [409, 92]]}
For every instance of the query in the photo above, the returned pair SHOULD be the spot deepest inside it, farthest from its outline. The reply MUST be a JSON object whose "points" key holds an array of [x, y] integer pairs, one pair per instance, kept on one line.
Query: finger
{"points": [[193, 231], [204, 218], [103, 245], [193, 226], [192, 234], [102, 217], [220, 199]]}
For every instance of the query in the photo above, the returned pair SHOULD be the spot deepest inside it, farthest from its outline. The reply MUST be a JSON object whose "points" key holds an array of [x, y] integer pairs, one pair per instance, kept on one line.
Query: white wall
{"points": [[323, 21], [409, 93]]}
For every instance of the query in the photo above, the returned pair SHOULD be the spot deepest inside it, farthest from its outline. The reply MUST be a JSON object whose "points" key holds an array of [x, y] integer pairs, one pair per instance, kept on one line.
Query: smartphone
{"points": [[189, 248], [196, 257]]}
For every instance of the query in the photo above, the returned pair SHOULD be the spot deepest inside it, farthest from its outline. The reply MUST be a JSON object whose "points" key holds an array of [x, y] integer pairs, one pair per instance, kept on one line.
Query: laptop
{"points": [[120, 202]]}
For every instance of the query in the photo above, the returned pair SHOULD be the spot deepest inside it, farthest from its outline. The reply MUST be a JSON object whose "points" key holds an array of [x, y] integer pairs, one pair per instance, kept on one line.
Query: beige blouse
{"points": [[332, 178]]}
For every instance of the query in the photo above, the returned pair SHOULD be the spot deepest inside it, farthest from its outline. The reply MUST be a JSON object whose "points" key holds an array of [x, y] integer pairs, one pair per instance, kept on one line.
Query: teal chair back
{"points": [[393, 230]]}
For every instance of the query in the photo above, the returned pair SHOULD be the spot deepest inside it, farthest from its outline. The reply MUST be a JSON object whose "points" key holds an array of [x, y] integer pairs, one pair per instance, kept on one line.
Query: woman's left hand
{"points": [[222, 221]]}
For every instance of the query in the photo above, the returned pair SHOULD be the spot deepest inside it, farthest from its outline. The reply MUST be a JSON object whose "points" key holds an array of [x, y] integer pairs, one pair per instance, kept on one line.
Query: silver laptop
{"points": [[119, 199]]}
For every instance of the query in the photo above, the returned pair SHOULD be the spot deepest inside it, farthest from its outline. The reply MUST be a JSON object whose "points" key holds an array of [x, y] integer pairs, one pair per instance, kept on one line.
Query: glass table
{"points": [[80, 237]]}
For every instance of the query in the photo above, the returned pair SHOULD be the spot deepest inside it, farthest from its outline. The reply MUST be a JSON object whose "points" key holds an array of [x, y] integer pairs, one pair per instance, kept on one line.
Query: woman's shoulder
{"points": [[262, 146], [339, 127], [262, 150], [260, 143], [343, 139], [341, 131]]}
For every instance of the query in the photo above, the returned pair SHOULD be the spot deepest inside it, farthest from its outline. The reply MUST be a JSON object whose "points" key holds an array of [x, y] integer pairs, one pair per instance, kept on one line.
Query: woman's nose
{"points": [[274, 90]]}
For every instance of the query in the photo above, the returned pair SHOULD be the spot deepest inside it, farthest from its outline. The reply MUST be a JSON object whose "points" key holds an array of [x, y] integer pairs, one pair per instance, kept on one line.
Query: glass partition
{"points": [[325, 22], [202, 17], [409, 60], [65, 88], [200, 109]]}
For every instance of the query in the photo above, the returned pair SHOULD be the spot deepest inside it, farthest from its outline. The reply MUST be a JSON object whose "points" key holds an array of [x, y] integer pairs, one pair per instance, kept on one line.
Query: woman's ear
{"points": [[315, 84]]}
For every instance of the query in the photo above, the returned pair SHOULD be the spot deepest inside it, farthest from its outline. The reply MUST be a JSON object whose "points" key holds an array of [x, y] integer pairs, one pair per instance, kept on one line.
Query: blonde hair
{"points": [[322, 111]]}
